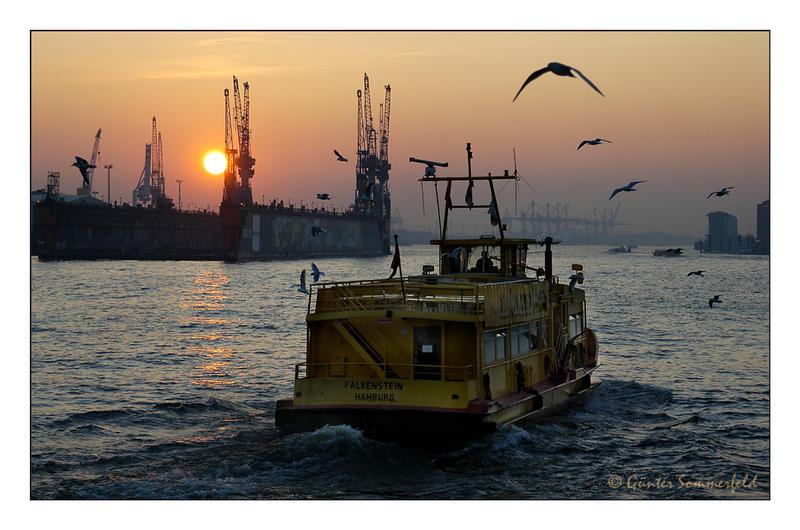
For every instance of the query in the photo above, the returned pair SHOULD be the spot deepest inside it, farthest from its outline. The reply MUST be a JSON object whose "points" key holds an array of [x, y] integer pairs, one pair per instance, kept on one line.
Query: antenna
{"points": [[516, 179], [430, 170]]}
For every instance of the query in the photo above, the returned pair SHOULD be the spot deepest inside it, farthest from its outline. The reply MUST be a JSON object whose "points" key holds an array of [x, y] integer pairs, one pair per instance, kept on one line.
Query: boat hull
{"points": [[423, 425]]}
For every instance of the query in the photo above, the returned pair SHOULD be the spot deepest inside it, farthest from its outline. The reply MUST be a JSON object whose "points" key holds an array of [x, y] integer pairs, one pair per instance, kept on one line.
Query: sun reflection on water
{"points": [[210, 293]]}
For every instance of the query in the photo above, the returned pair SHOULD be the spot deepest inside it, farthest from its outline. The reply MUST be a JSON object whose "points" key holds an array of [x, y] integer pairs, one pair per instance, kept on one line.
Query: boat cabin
{"points": [[487, 256]]}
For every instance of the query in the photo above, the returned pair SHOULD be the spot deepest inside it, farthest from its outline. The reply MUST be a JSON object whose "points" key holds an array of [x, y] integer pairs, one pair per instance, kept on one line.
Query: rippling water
{"points": [[159, 380]]}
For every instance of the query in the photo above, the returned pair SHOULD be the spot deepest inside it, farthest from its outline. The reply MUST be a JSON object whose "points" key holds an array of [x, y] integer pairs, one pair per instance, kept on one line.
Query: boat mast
{"points": [[430, 176]]}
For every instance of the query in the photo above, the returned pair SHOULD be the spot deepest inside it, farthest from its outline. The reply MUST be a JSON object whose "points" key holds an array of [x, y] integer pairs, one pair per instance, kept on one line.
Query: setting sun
{"points": [[215, 162]]}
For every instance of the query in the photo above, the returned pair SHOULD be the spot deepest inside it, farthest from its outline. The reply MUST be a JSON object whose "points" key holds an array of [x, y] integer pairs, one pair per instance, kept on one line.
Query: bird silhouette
{"points": [[303, 288], [82, 164], [596, 141], [572, 281], [339, 157], [558, 69], [696, 273], [316, 273], [323, 196], [714, 300], [315, 230], [720, 193], [365, 196], [629, 187]]}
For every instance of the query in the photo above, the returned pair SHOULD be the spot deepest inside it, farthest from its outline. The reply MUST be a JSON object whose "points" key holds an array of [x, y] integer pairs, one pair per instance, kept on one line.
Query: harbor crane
{"points": [[87, 167], [151, 185], [237, 147]]}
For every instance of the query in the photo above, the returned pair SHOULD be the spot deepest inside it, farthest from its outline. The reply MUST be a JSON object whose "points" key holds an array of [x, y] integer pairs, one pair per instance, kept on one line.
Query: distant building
{"points": [[723, 233], [762, 227]]}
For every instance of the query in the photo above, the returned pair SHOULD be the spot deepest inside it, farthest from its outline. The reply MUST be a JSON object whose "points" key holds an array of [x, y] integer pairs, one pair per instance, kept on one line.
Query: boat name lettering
{"points": [[363, 396], [372, 385]]}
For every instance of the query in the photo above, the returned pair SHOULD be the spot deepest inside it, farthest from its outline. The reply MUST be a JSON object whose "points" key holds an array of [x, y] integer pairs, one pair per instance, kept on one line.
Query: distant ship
{"points": [[669, 253], [620, 250]]}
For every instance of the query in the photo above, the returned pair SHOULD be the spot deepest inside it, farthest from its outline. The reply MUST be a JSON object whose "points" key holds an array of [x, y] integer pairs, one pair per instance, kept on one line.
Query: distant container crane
{"points": [[372, 162], [151, 188], [558, 222]]}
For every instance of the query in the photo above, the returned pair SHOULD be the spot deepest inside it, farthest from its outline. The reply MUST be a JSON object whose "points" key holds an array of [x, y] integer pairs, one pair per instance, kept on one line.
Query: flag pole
{"points": [[400, 266]]}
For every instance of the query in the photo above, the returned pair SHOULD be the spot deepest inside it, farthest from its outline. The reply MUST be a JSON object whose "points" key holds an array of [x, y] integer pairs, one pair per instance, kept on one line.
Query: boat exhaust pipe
{"points": [[548, 259]]}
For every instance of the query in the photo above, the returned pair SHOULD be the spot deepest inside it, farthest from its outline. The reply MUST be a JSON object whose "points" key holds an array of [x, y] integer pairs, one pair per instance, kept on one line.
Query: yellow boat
{"points": [[486, 342]]}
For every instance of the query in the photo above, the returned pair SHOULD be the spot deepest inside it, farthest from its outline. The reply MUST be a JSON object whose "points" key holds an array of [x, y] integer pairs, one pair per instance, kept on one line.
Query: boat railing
{"points": [[435, 372], [379, 296], [499, 303]]}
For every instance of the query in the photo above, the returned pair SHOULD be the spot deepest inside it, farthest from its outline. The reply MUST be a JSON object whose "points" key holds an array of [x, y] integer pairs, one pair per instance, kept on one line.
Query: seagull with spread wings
{"points": [[596, 141], [629, 187], [557, 69], [720, 193], [303, 288], [339, 158]]}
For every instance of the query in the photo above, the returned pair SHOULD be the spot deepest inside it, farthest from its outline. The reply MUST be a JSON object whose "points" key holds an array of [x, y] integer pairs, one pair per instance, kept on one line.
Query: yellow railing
{"points": [[434, 372], [499, 303], [460, 299]]}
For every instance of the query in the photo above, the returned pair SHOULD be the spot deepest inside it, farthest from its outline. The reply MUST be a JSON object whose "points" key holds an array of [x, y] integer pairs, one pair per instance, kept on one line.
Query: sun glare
{"points": [[215, 162]]}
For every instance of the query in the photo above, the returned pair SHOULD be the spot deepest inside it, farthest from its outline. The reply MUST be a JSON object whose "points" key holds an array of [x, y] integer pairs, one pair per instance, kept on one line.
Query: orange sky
{"points": [[687, 111]]}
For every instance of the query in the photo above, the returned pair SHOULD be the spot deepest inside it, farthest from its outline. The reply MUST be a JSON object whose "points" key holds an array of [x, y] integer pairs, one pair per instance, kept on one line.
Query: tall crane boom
{"points": [[370, 129], [237, 112], [229, 183], [93, 163], [246, 162], [385, 125], [228, 134]]}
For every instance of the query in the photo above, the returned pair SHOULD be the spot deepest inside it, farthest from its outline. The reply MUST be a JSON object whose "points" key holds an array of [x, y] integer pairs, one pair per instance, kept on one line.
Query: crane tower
{"points": [[150, 188], [372, 162], [239, 170]]}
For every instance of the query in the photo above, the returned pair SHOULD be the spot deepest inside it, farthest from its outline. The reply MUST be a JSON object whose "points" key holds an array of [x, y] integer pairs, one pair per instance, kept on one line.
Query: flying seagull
{"points": [[316, 273], [720, 193], [629, 187], [696, 273], [365, 196], [455, 254], [303, 288], [339, 157], [572, 281], [82, 164], [711, 301], [558, 69], [317, 230], [323, 196], [596, 141]]}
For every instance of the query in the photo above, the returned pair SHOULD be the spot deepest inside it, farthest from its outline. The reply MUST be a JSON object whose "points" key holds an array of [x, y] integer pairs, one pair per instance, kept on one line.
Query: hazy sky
{"points": [[686, 111]]}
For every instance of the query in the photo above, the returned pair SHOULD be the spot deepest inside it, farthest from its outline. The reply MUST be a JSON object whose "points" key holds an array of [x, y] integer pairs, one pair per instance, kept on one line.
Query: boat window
{"points": [[427, 352], [500, 345], [532, 334], [494, 346], [524, 339], [454, 260], [485, 258], [488, 348], [521, 260], [517, 348], [575, 324]]}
